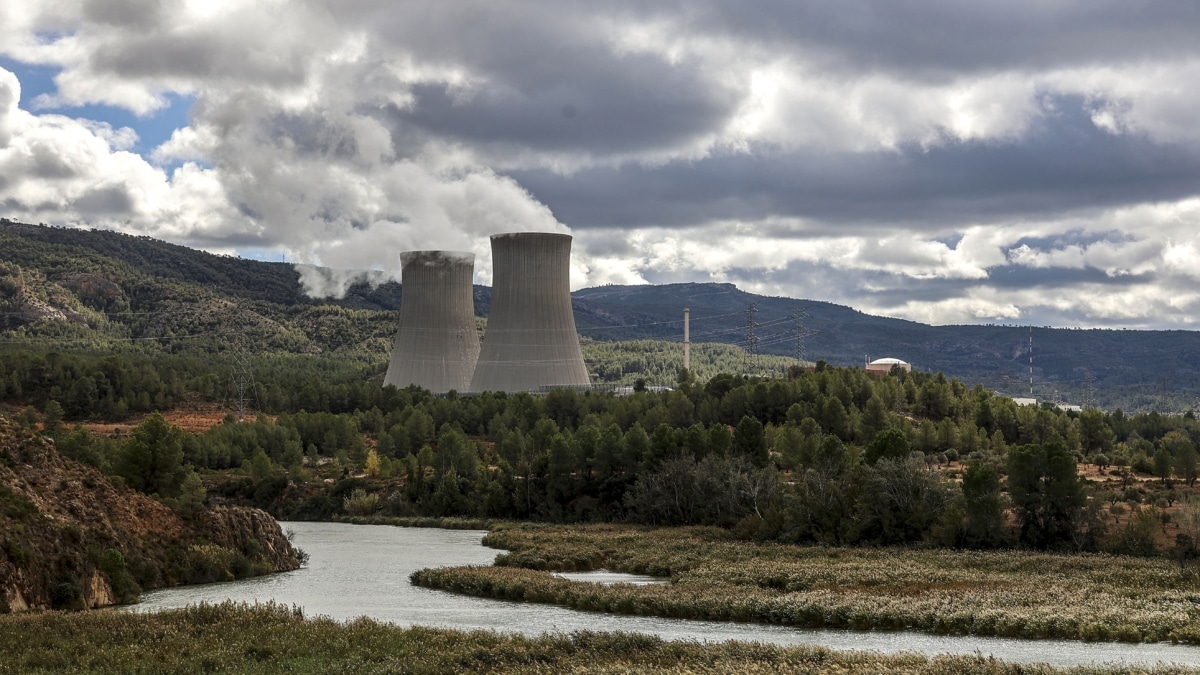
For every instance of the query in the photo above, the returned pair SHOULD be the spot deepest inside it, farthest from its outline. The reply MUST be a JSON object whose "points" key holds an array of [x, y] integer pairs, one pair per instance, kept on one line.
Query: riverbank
{"points": [[274, 638], [72, 537], [1006, 593]]}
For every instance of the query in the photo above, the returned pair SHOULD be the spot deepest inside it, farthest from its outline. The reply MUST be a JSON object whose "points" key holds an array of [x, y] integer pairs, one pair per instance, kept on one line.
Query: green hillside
{"points": [[96, 290]]}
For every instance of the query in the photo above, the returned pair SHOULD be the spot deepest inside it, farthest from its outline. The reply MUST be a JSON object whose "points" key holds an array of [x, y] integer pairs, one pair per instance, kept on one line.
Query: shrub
{"points": [[361, 503], [18, 554], [15, 505], [112, 565], [66, 595]]}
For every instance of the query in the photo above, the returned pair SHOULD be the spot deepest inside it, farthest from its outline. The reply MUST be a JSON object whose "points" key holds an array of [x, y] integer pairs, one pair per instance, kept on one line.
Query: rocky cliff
{"points": [[70, 539]]}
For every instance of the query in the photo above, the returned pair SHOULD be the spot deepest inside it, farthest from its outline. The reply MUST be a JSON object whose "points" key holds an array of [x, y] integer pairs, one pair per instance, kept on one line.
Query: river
{"points": [[362, 570]]}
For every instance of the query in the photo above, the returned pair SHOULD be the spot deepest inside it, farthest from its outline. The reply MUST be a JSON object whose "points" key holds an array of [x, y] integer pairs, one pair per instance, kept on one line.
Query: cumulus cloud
{"points": [[936, 160]]}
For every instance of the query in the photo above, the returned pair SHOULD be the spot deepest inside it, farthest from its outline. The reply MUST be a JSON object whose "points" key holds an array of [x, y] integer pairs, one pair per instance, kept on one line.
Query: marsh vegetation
{"points": [[273, 638], [1025, 594]]}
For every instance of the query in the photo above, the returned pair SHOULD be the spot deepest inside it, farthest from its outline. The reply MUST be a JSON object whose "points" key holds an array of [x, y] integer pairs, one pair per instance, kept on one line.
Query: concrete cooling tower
{"points": [[437, 343], [530, 342]]}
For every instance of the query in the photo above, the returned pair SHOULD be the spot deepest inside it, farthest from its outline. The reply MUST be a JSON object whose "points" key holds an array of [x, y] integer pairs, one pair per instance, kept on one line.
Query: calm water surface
{"points": [[362, 570]]}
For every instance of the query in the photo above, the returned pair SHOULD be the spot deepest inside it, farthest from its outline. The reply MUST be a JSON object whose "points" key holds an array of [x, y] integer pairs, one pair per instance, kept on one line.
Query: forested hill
{"points": [[1126, 368], [99, 283], [58, 251]]}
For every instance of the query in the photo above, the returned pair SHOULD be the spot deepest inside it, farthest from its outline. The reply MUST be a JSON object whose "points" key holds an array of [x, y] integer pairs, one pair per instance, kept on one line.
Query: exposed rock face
{"points": [[27, 296], [243, 529], [69, 538]]}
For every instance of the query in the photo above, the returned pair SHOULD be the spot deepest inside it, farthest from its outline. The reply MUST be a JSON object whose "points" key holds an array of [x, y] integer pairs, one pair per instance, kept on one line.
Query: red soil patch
{"points": [[196, 420]]}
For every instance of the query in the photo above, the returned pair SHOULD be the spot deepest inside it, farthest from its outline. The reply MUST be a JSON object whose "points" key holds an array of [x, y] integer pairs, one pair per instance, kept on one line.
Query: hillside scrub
{"points": [[714, 577], [271, 639]]}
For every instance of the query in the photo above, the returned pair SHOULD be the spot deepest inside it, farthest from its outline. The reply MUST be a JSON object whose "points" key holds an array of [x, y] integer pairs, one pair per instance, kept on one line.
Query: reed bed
{"points": [[1003, 593], [273, 639], [445, 522]]}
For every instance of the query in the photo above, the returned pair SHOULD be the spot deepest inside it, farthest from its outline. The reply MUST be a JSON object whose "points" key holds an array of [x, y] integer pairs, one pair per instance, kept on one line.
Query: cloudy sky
{"points": [[944, 161]]}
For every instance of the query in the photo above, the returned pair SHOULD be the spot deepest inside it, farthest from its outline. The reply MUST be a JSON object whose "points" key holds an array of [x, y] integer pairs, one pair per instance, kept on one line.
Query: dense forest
{"points": [[828, 455]]}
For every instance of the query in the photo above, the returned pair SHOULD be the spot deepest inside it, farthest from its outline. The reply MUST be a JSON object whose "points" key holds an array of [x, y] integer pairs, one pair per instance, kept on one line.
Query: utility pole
{"points": [[687, 343], [1031, 362], [751, 358]]}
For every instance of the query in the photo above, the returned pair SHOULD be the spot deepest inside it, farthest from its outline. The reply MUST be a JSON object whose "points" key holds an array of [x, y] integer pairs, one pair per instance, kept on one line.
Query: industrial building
{"points": [[530, 343], [437, 343]]}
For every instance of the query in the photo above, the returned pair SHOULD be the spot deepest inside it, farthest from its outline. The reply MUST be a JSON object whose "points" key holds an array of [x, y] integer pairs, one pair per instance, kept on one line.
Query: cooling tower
{"points": [[530, 341], [437, 343]]}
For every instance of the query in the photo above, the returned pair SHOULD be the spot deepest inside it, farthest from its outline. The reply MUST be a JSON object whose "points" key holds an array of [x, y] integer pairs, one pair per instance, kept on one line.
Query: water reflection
{"points": [[362, 570]]}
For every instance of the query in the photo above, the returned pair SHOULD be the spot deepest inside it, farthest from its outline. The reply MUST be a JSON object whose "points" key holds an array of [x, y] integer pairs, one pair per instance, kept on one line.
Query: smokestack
{"points": [[437, 343], [530, 341], [687, 343]]}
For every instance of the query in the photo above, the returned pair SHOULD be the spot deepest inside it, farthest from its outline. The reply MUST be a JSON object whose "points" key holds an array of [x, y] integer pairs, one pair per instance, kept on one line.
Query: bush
{"points": [[361, 503], [66, 595], [18, 554], [1138, 535], [112, 565], [16, 505]]}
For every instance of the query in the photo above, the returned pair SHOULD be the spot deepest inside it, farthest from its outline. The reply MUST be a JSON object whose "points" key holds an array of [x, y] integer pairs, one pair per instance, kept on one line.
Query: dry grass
{"points": [[1006, 593], [275, 639]]}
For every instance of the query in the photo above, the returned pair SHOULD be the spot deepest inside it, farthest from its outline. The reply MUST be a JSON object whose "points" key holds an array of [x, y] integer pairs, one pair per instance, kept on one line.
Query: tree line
{"points": [[833, 455]]}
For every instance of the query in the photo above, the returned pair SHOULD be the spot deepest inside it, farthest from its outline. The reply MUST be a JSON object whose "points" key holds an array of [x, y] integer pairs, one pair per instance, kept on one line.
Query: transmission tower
{"points": [[800, 334], [241, 382], [1089, 390], [751, 358]]}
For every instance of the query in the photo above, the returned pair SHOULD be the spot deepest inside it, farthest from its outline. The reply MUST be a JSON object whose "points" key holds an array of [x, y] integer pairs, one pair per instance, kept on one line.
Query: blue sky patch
{"points": [[152, 130]]}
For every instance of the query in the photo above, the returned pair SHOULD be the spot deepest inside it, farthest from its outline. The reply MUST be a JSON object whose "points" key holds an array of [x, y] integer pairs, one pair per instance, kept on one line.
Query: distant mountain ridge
{"points": [[130, 285]]}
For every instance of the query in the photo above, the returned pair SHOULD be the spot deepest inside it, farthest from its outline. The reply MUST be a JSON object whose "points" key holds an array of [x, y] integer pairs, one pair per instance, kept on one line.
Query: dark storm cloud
{"points": [[550, 79], [1067, 164], [946, 36], [140, 14], [105, 201], [198, 55], [891, 290], [635, 105], [1015, 277]]}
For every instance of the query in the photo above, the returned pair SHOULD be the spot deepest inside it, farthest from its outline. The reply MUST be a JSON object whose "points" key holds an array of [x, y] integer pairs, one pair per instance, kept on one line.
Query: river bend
{"points": [[362, 570]]}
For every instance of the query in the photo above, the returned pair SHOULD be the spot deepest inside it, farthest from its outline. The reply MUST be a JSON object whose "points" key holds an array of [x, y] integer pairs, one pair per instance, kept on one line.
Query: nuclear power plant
{"points": [[530, 343], [437, 343]]}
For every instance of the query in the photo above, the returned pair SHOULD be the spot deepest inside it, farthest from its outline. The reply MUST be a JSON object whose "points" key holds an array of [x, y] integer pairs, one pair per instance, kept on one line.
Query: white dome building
{"points": [[884, 366]]}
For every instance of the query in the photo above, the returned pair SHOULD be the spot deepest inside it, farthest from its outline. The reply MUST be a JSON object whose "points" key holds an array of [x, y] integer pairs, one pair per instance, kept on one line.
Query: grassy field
{"points": [[1005, 593], [275, 639]]}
